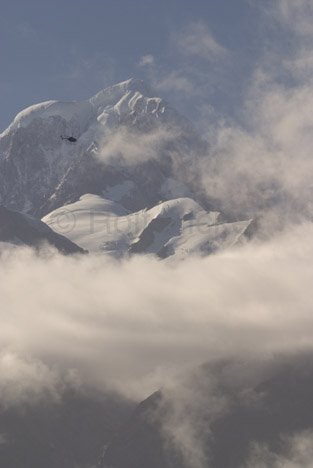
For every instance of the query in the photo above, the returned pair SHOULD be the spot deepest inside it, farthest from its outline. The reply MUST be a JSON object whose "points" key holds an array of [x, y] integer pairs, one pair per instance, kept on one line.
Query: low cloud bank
{"points": [[127, 325]]}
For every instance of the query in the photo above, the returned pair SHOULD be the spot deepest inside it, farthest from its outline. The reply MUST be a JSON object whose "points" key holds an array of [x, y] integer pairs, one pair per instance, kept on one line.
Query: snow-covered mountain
{"points": [[40, 172], [174, 228], [133, 164]]}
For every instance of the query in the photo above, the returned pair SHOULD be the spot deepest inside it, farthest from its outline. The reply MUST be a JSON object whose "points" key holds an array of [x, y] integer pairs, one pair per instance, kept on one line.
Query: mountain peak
{"points": [[132, 84], [83, 110], [112, 94], [44, 171], [136, 84]]}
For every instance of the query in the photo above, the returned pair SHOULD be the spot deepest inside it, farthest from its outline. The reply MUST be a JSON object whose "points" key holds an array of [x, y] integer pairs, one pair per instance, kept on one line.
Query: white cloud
{"points": [[146, 60], [262, 165], [197, 40], [176, 81], [26, 380], [126, 147], [298, 453], [190, 404], [297, 15], [125, 324], [295, 22], [182, 71]]}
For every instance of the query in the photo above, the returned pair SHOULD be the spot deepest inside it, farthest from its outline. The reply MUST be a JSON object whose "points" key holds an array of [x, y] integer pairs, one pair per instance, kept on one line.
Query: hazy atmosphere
{"points": [[156, 237]]}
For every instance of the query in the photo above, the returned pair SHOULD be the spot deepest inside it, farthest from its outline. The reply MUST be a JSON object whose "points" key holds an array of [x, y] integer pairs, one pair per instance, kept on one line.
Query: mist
{"points": [[127, 324], [260, 164], [134, 326]]}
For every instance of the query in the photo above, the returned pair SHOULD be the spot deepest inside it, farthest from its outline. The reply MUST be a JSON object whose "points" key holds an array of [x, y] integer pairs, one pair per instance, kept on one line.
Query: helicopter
{"points": [[71, 139]]}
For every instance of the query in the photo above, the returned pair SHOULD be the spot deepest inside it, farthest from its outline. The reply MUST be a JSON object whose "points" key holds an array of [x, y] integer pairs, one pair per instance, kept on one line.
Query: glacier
{"points": [[176, 228]]}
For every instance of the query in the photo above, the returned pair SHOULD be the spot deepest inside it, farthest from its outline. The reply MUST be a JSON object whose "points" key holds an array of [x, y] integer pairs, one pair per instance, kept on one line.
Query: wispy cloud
{"points": [[197, 40], [297, 453], [190, 50], [126, 147], [120, 323], [261, 165], [296, 15], [178, 82], [146, 60]]}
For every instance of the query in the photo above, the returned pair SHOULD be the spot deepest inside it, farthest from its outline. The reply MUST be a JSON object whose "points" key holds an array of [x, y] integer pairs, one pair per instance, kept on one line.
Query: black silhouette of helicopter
{"points": [[71, 139]]}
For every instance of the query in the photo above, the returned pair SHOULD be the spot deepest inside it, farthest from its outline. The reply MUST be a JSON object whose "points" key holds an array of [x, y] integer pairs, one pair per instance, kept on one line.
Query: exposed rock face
{"points": [[21, 229], [259, 422], [67, 433]]}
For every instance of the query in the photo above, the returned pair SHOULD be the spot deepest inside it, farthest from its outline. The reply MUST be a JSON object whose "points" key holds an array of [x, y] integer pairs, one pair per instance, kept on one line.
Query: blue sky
{"points": [[70, 50]]}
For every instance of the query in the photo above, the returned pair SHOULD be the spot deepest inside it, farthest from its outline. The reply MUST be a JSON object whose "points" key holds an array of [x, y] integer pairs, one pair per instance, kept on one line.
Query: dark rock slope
{"points": [[21, 229]]}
